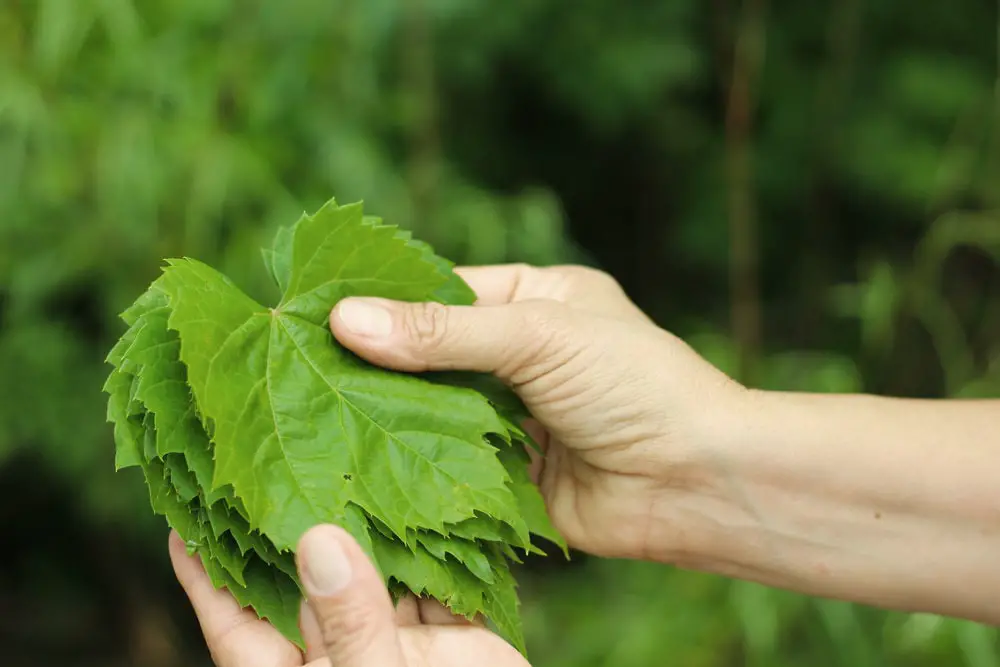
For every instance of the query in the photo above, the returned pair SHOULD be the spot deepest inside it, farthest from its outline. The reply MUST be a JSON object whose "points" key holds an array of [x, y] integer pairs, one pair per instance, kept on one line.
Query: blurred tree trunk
{"points": [[744, 252], [421, 98], [993, 171], [842, 39]]}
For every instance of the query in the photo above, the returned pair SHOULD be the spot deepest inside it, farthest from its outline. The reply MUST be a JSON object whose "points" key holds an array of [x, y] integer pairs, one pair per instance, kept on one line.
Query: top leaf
{"points": [[339, 253], [321, 430]]}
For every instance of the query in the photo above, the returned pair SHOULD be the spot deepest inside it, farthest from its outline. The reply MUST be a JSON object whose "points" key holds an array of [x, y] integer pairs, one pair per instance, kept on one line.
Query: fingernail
{"points": [[326, 568], [364, 318]]}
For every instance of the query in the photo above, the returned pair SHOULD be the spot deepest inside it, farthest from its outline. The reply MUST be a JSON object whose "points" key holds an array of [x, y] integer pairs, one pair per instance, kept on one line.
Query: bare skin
{"points": [[651, 453], [889, 502]]}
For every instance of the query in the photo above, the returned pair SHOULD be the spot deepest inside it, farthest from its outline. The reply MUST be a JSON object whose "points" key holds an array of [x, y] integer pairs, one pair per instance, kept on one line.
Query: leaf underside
{"points": [[251, 425]]}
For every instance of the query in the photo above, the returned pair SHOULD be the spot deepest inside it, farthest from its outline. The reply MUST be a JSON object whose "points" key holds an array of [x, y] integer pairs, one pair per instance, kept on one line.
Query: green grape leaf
{"points": [[336, 254], [467, 552], [264, 366], [181, 478], [501, 604], [251, 424], [127, 430], [426, 575], [273, 595], [454, 291], [530, 502], [278, 258]]}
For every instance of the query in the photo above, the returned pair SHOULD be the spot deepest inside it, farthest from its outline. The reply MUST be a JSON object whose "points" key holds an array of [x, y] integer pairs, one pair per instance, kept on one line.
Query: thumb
{"points": [[349, 600], [418, 337]]}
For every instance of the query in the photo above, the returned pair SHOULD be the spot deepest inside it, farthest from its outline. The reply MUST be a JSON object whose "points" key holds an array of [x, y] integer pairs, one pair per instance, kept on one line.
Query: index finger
{"points": [[235, 636], [495, 285]]}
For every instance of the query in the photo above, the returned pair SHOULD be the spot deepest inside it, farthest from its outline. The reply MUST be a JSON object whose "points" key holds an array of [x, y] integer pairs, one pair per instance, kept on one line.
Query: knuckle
{"points": [[525, 276], [547, 326], [542, 315], [573, 271], [590, 276], [577, 278], [522, 268], [426, 324]]}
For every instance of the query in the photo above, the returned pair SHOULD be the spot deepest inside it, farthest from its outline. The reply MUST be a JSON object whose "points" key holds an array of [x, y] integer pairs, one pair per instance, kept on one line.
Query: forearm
{"points": [[889, 502]]}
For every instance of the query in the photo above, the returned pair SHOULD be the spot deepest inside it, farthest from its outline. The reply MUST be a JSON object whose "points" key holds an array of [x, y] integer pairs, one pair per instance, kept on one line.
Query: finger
{"points": [[495, 285], [418, 337], [407, 612], [355, 615], [235, 636], [407, 615], [460, 646], [433, 612], [312, 634]]}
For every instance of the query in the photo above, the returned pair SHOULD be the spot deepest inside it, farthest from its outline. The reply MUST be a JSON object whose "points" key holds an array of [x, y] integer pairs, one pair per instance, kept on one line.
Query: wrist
{"points": [[730, 532], [740, 518], [698, 504]]}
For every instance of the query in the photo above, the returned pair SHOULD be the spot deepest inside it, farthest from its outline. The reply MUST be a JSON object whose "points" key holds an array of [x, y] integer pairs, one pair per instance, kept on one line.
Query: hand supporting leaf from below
{"points": [[349, 620]]}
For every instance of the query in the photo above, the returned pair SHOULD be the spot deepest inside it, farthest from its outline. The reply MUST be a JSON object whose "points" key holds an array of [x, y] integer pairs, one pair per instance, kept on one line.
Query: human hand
{"points": [[627, 411], [349, 620]]}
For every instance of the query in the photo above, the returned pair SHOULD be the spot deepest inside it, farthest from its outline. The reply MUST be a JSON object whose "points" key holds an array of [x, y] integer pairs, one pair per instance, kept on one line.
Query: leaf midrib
{"points": [[345, 401], [340, 394]]}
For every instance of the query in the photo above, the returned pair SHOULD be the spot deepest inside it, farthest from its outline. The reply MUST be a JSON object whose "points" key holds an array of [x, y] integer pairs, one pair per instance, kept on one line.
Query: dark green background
{"points": [[849, 151]]}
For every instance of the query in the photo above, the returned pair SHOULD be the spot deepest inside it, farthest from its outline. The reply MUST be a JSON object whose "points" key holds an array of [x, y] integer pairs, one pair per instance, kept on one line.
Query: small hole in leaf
{"points": [[348, 477]]}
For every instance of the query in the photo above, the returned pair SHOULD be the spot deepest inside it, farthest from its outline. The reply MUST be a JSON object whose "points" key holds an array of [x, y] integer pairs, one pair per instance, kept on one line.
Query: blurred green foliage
{"points": [[528, 130]]}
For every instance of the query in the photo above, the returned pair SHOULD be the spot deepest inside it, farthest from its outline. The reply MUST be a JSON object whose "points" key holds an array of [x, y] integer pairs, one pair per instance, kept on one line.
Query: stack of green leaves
{"points": [[251, 425]]}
